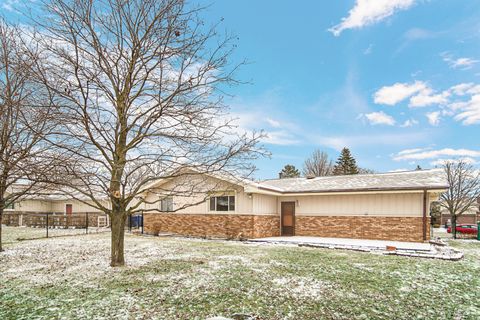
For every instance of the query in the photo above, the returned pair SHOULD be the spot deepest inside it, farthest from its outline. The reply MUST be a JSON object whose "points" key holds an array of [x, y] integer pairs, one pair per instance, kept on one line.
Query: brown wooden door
{"points": [[288, 218], [68, 209]]}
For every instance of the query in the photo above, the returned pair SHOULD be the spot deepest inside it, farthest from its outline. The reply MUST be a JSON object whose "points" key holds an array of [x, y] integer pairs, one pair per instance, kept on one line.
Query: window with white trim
{"points": [[10, 206], [222, 203], [166, 204]]}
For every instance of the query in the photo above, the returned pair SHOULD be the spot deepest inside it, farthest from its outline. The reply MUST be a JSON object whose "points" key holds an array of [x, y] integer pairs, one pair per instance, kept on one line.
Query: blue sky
{"points": [[383, 86], [396, 81]]}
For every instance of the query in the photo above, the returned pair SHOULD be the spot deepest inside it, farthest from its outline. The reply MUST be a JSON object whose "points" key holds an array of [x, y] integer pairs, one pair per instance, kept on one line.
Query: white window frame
{"points": [[10, 209], [215, 196], [161, 204]]}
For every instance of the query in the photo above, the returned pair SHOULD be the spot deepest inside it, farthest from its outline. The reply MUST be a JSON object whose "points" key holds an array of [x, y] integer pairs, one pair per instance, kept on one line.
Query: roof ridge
{"points": [[355, 175]]}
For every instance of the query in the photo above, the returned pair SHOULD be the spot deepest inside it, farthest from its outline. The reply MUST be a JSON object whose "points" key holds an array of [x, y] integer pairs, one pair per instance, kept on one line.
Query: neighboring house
{"points": [[470, 217], [388, 206], [51, 204], [28, 211]]}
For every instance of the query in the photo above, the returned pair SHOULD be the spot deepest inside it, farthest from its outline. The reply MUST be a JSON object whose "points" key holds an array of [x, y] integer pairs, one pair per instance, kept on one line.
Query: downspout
{"points": [[424, 215]]}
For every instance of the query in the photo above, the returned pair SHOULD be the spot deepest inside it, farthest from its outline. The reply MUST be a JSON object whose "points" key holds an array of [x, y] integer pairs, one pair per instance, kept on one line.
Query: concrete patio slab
{"points": [[347, 242], [400, 248]]}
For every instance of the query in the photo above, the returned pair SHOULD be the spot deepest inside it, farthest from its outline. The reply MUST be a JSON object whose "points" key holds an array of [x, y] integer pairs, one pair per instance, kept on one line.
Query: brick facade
{"points": [[258, 226], [357, 227], [213, 225]]}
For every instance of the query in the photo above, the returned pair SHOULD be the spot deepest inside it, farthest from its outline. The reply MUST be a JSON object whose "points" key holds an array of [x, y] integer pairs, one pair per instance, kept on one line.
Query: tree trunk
{"points": [[2, 208], [1, 221], [118, 236], [454, 226]]}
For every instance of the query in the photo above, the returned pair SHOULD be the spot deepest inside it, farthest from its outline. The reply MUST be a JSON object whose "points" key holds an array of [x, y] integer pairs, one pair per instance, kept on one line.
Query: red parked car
{"points": [[465, 228]]}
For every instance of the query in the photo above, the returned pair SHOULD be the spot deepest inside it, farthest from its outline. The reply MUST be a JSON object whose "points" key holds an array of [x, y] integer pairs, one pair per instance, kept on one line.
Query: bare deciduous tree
{"points": [[318, 165], [25, 118], [464, 190], [365, 171], [140, 84]]}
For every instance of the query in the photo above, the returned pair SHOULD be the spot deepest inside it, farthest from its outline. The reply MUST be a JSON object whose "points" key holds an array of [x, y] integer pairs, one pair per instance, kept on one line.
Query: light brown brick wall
{"points": [[258, 226], [213, 225], [377, 228]]}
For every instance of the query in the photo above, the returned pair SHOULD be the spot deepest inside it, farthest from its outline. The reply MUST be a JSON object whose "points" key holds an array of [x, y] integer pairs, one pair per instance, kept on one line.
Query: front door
{"points": [[288, 218], [68, 209]]}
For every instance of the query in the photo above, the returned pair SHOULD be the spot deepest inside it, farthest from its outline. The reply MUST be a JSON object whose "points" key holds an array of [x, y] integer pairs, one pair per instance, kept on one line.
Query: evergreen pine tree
{"points": [[346, 163], [289, 171]]}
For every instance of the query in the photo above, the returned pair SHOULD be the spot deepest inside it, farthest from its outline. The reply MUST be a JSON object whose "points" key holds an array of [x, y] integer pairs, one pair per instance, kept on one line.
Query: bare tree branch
{"points": [[139, 85], [464, 190], [26, 117], [318, 165]]}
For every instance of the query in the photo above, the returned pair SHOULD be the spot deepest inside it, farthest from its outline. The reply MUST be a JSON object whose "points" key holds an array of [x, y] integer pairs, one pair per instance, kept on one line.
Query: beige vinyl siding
{"points": [[470, 212], [394, 204], [33, 206], [52, 206], [204, 187], [178, 201], [77, 206], [263, 204]]}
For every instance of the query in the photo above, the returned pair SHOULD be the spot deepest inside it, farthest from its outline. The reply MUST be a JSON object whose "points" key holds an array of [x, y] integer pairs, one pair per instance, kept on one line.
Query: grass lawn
{"points": [[167, 278], [14, 235]]}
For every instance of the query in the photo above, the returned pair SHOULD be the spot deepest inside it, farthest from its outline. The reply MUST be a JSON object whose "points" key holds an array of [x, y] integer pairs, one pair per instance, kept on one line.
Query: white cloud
{"points": [[407, 151], [273, 123], [469, 111], [433, 118], [423, 154], [426, 98], [380, 118], [461, 101], [465, 63], [459, 63], [280, 137], [409, 123], [366, 12], [441, 162], [461, 89], [474, 90], [9, 5], [391, 95]]}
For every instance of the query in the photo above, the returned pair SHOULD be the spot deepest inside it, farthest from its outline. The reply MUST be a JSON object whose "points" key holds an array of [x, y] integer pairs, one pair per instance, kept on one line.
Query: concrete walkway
{"points": [[399, 248], [348, 243]]}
